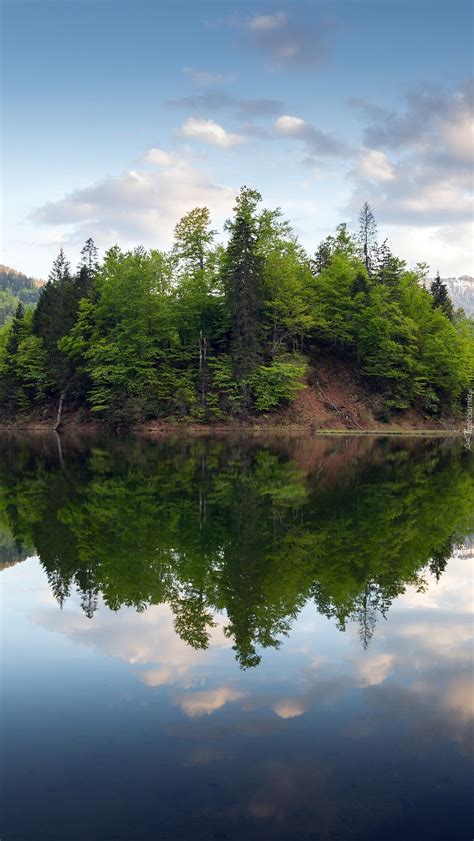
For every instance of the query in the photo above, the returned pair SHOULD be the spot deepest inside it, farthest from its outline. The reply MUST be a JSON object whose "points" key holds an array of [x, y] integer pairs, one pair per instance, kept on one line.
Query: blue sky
{"points": [[120, 116]]}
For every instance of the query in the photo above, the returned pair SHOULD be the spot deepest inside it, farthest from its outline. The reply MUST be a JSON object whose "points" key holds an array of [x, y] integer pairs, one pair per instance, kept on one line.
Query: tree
{"points": [[441, 298], [89, 257], [61, 269], [367, 235], [88, 266], [194, 238], [243, 281], [121, 338], [53, 317], [10, 383]]}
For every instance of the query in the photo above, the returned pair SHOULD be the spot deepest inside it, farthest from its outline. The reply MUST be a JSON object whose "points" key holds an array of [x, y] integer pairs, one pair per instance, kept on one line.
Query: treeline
{"points": [[206, 331], [236, 529], [16, 288]]}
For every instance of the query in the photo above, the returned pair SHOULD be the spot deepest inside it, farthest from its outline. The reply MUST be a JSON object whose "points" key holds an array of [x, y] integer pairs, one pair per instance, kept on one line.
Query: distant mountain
{"points": [[15, 287], [461, 291]]}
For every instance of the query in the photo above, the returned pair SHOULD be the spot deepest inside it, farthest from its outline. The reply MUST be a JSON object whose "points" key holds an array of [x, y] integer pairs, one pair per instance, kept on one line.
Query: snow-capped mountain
{"points": [[461, 291]]}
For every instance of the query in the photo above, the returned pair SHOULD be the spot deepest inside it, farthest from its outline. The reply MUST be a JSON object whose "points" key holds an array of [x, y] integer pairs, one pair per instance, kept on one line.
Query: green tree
{"points": [[441, 298], [243, 282]]}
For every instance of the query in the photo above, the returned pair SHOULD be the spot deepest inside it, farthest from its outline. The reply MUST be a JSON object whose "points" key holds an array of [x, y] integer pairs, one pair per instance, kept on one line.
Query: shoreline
{"points": [[167, 430]]}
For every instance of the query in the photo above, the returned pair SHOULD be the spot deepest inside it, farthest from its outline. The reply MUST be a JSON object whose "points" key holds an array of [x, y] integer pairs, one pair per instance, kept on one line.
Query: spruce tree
{"points": [[387, 267], [54, 316], [322, 257], [88, 266], [244, 289], [441, 298], [61, 269]]}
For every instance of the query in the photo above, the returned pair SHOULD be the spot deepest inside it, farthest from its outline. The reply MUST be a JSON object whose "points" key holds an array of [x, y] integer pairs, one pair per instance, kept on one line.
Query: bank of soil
{"points": [[335, 400]]}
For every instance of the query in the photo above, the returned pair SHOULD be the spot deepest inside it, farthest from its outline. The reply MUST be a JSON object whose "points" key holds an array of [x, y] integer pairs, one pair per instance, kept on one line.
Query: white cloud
{"points": [[446, 248], [288, 124], [458, 135], [138, 207], [317, 142], [428, 183], [207, 701], [158, 157], [375, 166], [208, 131]]}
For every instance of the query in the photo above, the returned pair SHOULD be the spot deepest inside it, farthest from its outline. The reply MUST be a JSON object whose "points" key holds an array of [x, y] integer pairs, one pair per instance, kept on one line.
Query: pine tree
{"points": [[387, 267], [244, 289], [61, 269], [368, 235], [322, 257], [54, 316], [88, 266], [441, 298], [89, 255]]}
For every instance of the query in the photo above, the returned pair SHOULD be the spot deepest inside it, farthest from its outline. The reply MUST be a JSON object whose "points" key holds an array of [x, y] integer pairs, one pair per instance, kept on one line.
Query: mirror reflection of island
{"points": [[251, 531]]}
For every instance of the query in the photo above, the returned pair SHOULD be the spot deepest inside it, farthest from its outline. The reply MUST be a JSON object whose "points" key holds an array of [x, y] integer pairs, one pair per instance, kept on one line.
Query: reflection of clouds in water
{"points": [[374, 668], [289, 708], [424, 648], [208, 701], [453, 591], [458, 697], [143, 640]]}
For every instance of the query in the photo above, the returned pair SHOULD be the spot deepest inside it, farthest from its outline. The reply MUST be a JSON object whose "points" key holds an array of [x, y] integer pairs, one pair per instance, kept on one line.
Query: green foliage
{"points": [[441, 298], [16, 288], [238, 529], [205, 331], [243, 282], [277, 383]]}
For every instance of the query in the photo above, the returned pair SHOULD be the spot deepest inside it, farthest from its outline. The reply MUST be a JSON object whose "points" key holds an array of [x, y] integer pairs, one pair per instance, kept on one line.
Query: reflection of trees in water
{"points": [[239, 528]]}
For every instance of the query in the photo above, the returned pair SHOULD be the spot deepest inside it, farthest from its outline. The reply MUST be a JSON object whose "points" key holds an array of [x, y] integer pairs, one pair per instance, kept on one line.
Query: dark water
{"points": [[236, 640]]}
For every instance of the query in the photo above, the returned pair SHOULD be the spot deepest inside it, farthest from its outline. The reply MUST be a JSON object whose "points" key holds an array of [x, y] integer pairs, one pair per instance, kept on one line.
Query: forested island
{"points": [[209, 333]]}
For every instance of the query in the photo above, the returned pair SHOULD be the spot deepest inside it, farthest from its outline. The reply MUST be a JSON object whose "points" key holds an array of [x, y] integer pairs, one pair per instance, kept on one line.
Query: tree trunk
{"points": [[60, 411]]}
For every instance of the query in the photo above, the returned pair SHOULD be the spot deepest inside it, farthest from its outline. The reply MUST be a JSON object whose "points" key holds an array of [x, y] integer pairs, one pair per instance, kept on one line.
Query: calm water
{"points": [[236, 640]]}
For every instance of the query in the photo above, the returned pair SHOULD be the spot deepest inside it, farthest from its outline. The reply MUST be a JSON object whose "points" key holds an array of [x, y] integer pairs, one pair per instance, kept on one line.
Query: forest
{"points": [[16, 288], [208, 331], [228, 526]]}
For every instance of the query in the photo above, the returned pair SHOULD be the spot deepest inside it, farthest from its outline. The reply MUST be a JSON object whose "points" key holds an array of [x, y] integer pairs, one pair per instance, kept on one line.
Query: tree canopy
{"points": [[208, 330]]}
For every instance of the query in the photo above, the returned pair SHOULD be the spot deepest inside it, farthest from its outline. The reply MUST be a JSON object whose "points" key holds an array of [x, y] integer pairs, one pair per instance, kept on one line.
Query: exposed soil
{"points": [[335, 400]]}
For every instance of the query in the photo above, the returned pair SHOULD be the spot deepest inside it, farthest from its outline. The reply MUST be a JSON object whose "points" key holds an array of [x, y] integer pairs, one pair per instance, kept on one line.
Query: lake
{"points": [[236, 639]]}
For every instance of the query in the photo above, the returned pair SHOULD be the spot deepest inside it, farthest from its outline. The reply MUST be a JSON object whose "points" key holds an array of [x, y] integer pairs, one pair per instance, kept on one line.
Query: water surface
{"points": [[236, 640]]}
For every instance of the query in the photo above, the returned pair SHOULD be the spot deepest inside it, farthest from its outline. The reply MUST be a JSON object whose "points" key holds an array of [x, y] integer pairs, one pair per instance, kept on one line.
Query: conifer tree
{"points": [[243, 283], [88, 266], [61, 269], [441, 298], [54, 316], [322, 257]]}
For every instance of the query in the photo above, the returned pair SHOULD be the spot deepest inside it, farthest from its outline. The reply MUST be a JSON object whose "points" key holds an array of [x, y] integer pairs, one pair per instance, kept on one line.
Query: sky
{"points": [[119, 117]]}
